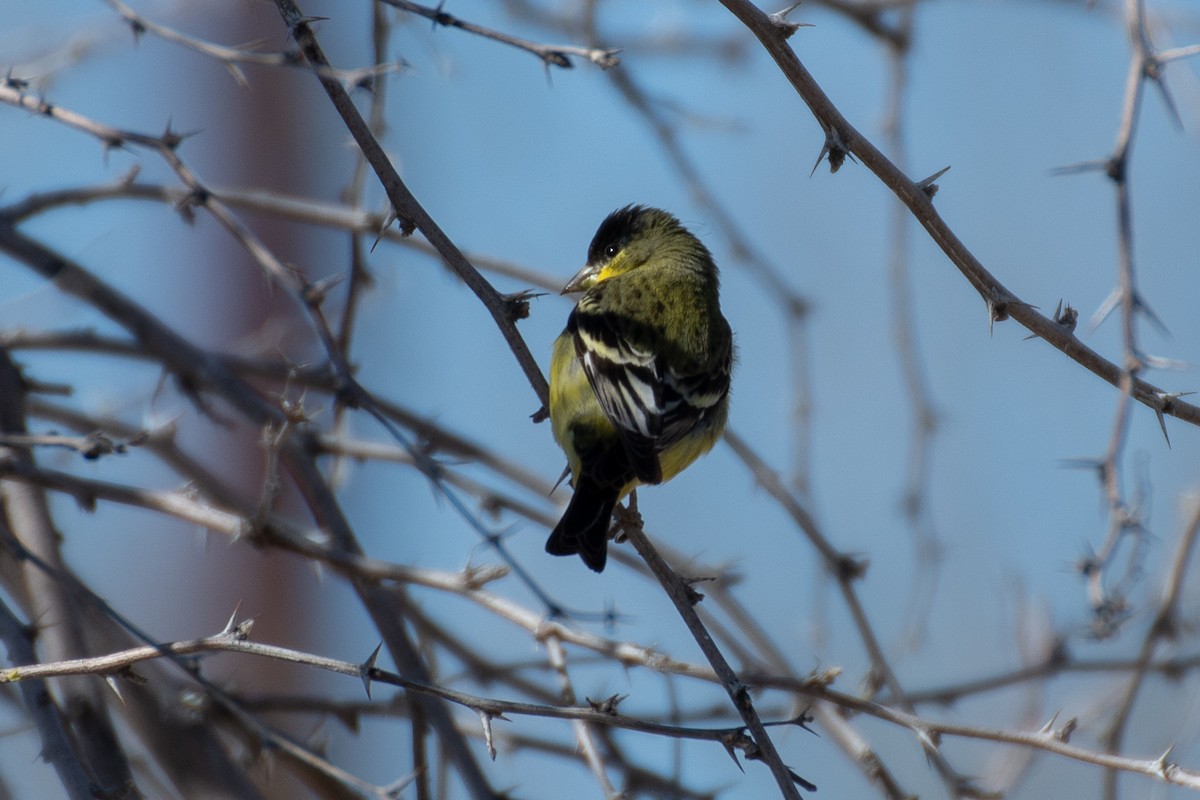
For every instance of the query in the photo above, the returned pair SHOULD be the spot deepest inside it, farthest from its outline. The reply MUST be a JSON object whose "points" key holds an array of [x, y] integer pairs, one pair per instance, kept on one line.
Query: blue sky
{"points": [[520, 167]]}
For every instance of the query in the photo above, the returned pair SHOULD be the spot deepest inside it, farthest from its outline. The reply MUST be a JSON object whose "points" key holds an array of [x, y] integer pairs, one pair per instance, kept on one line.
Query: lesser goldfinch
{"points": [[639, 380]]}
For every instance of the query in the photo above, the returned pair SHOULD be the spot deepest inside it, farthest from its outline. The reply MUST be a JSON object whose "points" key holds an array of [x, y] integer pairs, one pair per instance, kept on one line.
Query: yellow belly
{"points": [[574, 407]]}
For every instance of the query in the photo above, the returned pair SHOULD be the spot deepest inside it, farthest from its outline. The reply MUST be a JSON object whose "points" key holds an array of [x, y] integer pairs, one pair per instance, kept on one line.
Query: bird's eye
{"points": [[610, 251]]}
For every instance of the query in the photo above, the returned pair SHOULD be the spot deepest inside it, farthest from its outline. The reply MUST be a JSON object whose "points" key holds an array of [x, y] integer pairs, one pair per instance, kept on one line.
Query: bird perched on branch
{"points": [[639, 380]]}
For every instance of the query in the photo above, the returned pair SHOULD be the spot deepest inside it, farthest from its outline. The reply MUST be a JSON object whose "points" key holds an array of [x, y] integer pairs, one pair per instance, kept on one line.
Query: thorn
{"points": [[1165, 400], [694, 595], [111, 680], [171, 140], [364, 671], [1161, 765], [835, 149], [782, 14], [801, 721], [1159, 362], [1082, 463], [1169, 397], [110, 143], [486, 719], [997, 312], [1178, 52], [19, 84], [1088, 565], [848, 567], [397, 786], [229, 626], [440, 17], [362, 80], [266, 757], [130, 177], [1066, 318], [608, 705], [1095, 165], [1063, 733], [1105, 309], [1162, 422], [388, 219], [314, 293], [1141, 305], [1152, 69], [1115, 167], [516, 304], [929, 741], [779, 20], [318, 570], [928, 186], [807, 786], [605, 59], [556, 58], [610, 616], [239, 77], [728, 743], [825, 678], [243, 630]]}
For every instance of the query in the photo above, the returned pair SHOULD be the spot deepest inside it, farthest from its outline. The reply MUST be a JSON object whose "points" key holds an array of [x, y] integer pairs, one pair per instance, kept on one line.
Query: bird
{"points": [[640, 376]]}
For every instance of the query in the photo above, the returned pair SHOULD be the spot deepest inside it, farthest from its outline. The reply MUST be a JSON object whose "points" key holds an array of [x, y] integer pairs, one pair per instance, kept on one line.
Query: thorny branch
{"points": [[235, 638]]}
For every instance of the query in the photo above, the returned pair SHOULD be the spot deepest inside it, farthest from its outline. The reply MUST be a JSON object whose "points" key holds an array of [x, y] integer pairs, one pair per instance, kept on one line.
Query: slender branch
{"points": [[551, 55], [583, 732], [42, 708], [305, 210], [233, 57], [683, 597], [1049, 739], [64, 634], [408, 211], [234, 639], [1164, 626], [923, 414]]}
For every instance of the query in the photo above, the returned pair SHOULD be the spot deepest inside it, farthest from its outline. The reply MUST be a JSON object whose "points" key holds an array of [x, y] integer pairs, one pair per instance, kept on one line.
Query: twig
{"points": [[41, 706], [63, 635], [551, 55], [923, 425], [682, 597], [583, 733], [283, 206], [409, 212], [1165, 625], [233, 639], [233, 57]]}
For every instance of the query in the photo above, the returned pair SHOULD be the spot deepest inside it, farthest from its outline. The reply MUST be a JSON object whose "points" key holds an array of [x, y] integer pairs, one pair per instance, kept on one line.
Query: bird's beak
{"points": [[583, 280]]}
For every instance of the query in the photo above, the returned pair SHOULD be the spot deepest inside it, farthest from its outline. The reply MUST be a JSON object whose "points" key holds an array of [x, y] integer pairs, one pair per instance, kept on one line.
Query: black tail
{"points": [[583, 529]]}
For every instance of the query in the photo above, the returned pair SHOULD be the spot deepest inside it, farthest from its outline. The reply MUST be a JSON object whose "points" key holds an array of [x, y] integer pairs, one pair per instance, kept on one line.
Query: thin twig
{"points": [[682, 598], [551, 55]]}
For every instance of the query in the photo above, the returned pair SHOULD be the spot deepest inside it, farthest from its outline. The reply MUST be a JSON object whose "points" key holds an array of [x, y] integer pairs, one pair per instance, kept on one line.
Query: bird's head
{"points": [[631, 237]]}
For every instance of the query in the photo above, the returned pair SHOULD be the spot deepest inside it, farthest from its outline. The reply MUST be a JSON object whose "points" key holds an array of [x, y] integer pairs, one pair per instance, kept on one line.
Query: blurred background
{"points": [[972, 494]]}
